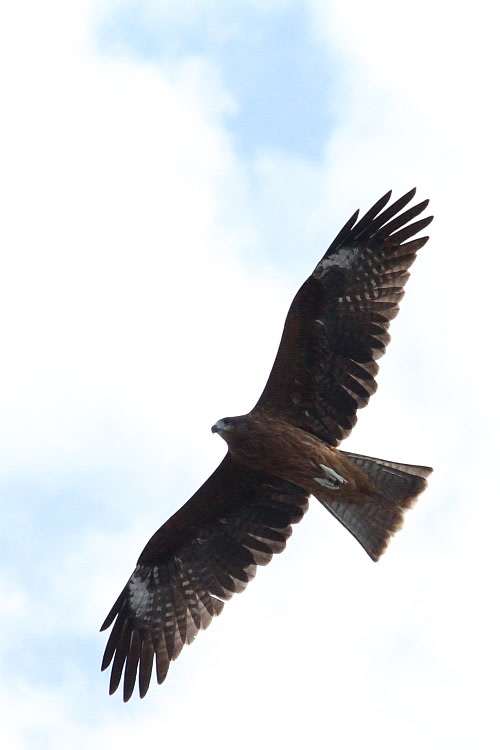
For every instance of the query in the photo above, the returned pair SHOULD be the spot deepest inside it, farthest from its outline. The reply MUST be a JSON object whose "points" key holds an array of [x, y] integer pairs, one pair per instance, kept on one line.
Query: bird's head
{"points": [[223, 425]]}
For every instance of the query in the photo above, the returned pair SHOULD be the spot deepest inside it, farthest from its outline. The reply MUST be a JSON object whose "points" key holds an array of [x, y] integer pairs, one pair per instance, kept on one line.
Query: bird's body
{"points": [[283, 451], [358, 490], [294, 455]]}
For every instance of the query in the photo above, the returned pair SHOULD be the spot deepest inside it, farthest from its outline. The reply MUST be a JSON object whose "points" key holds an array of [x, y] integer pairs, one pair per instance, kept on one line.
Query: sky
{"points": [[170, 174]]}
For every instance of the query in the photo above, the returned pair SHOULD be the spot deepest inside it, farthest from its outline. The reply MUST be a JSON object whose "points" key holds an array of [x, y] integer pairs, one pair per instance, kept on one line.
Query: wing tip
{"points": [[379, 218]]}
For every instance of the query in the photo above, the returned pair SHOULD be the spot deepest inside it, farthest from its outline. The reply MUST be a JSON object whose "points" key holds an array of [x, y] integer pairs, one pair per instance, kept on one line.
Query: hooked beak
{"points": [[219, 426]]}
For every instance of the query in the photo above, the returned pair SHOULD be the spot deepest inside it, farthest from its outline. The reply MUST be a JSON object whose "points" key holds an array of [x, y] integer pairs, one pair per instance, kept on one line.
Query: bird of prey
{"points": [[281, 452]]}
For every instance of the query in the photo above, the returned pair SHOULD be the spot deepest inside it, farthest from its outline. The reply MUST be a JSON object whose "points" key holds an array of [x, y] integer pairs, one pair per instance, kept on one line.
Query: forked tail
{"points": [[373, 521]]}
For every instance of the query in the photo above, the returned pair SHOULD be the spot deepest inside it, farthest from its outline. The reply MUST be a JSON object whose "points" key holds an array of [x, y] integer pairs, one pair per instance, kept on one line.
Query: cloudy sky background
{"points": [[170, 173]]}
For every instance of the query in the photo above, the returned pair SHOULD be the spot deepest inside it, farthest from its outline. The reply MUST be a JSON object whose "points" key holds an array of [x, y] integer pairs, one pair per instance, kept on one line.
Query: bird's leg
{"points": [[333, 481]]}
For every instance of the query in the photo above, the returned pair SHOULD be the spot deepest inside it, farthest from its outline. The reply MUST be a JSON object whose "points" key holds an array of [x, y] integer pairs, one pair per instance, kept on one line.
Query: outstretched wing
{"points": [[198, 559], [337, 325]]}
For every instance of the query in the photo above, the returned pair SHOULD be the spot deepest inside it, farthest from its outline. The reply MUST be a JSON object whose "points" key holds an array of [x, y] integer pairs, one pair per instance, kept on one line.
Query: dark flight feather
{"points": [[337, 325]]}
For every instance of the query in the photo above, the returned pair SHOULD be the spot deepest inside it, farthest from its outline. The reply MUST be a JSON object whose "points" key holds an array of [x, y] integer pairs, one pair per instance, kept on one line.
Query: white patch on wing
{"points": [[140, 599], [345, 257]]}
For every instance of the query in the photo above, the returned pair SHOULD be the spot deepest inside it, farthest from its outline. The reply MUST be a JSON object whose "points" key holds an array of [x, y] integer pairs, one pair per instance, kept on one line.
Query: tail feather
{"points": [[373, 521]]}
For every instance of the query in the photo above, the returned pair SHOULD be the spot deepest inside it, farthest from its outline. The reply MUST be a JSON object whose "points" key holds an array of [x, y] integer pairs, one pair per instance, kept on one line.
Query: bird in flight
{"points": [[281, 452]]}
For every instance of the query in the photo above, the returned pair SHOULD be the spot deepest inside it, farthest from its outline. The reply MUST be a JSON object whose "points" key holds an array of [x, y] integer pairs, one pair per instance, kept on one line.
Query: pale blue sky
{"points": [[269, 59], [171, 173]]}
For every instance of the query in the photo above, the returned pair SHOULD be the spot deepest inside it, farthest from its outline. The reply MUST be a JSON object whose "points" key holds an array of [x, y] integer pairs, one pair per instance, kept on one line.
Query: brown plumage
{"points": [[284, 450]]}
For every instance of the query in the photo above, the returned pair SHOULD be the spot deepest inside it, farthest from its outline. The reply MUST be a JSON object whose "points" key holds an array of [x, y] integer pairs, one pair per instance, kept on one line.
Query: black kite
{"points": [[284, 450]]}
